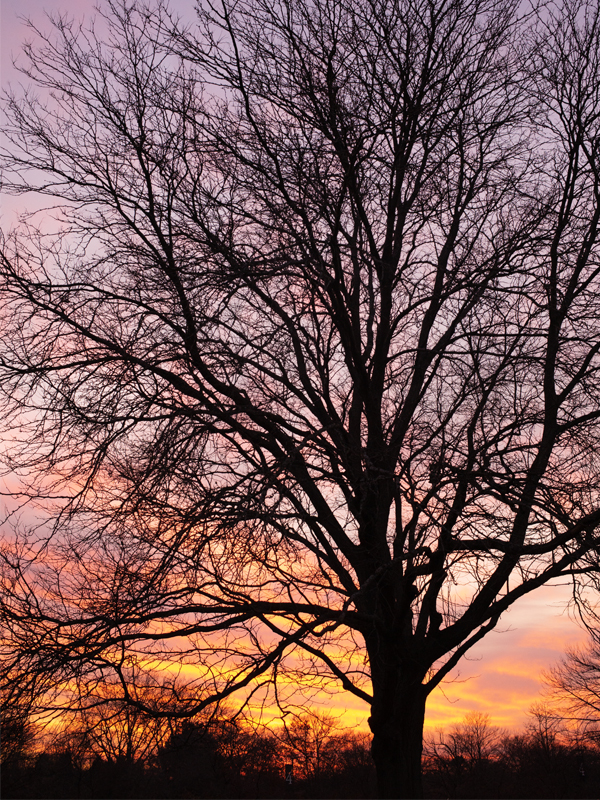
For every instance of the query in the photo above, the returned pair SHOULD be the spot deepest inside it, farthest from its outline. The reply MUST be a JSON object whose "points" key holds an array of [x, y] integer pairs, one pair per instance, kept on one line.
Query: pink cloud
{"points": [[501, 675]]}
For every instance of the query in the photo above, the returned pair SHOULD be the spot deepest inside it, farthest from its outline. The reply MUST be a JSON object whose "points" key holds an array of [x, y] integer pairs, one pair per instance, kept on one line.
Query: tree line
{"points": [[311, 758], [112, 750], [218, 757]]}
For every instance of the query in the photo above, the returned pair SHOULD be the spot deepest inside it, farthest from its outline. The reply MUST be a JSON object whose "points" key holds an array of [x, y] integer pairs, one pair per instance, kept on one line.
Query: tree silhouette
{"points": [[312, 745], [102, 725], [303, 365], [573, 688], [16, 733], [464, 758]]}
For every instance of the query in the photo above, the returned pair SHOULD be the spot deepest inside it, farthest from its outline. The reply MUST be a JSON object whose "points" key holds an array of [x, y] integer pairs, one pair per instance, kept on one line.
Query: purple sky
{"points": [[13, 30]]}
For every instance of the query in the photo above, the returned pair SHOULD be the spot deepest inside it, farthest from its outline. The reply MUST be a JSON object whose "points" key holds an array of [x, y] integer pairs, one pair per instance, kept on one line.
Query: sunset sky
{"points": [[501, 675]]}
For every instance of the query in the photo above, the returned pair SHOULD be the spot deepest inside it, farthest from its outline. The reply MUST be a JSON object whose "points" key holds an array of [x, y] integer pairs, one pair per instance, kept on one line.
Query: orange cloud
{"points": [[501, 675]]}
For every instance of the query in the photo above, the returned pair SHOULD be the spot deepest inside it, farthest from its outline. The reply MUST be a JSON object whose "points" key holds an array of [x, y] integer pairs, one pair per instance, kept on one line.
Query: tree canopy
{"points": [[303, 365]]}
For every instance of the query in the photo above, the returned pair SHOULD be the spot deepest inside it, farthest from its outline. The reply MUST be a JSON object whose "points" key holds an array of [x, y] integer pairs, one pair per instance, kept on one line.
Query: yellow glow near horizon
{"points": [[501, 676]]}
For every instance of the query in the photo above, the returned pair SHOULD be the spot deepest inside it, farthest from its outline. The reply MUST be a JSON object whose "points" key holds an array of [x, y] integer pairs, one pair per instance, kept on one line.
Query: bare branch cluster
{"points": [[305, 370]]}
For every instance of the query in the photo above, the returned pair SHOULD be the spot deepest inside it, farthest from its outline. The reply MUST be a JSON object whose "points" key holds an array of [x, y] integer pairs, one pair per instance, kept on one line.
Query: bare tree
{"points": [[17, 732], [473, 740], [311, 743], [573, 690], [545, 728], [102, 725], [306, 373], [460, 755]]}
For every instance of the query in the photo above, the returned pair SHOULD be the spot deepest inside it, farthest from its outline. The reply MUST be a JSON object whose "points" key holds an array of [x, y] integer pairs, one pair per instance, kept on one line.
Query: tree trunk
{"points": [[396, 721]]}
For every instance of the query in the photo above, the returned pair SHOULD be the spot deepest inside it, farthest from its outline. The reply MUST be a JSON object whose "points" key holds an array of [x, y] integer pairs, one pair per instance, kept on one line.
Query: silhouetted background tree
{"points": [[475, 759], [464, 757], [573, 688], [219, 755], [303, 365], [17, 736]]}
